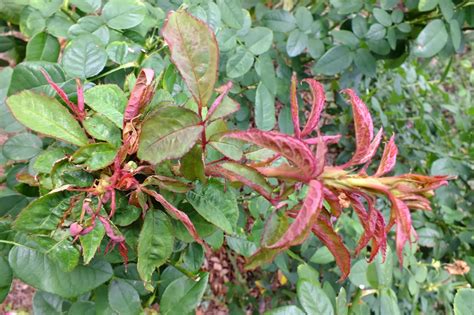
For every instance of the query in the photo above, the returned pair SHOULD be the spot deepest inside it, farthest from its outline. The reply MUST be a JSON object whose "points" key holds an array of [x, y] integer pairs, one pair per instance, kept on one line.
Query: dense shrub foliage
{"points": [[149, 139]]}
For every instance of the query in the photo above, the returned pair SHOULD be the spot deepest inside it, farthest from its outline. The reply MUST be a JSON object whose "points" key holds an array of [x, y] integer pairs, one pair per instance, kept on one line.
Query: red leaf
{"points": [[368, 219], [293, 149], [363, 127], [80, 96], [403, 221], [306, 217], [372, 148], [140, 95], [389, 158], [324, 231], [181, 216], [283, 171], [325, 139], [294, 106], [333, 201], [224, 90], [379, 242], [319, 98], [60, 92]]}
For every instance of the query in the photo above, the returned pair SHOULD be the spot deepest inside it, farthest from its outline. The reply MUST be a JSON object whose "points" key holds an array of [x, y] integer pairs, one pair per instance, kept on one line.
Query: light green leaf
{"points": [[431, 39], [464, 302], [95, 156], [183, 295], [47, 116], [334, 61], [194, 52], [23, 146], [388, 302], [91, 242], [376, 32], [231, 13], [264, 108], [447, 8], [84, 57], [44, 213], [239, 63], [155, 244], [45, 161], [227, 107], [297, 43], [90, 24], [249, 173], [341, 303], [102, 128], [279, 21], [359, 26], [241, 246], [313, 299], [304, 18], [40, 272], [123, 14], [266, 71], [109, 100], [215, 204], [168, 133], [322, 256], [123, 298], [87, 6], [456, 34], [382, 17], [258, 40], [286, 310], [427, 5], [42, 47]]}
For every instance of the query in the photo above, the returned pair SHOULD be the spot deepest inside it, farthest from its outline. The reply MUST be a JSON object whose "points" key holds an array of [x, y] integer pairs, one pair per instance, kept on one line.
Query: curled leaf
{"points": [[319, 98], [294, 106], [141, 94], [217, 102], [389, 157]]}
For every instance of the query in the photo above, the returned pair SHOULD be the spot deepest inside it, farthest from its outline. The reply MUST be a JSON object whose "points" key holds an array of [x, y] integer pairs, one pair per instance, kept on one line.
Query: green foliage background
{"points": [[410, 61]]}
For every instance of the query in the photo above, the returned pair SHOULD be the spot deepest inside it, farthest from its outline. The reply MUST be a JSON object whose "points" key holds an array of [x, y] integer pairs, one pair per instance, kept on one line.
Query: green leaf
{"points": [[304, 18], [456, 34], [40, 272], [91, 242], [322, 256], [44, 213], [315, 48], [183, 295], [264, 108], [87, 6], [84, 57], [45, 303], [313, 299], [365, 62], [11, 202], [125, 213], [102, 128], [341, 303], [168, 133], [258, 40], [45, 161], [346, 38], [297, 43], [266, 71], [231, 13], [95, 156], [155, 244], [215, 204], [88, 25], [192, 166], [109, 100], [23, 146], [334, 61], [241, 246], [239, 63], [382, 17], [376, 32], [6, 277], [123, 298], [431, 39], [193, 257], [227, 107], [194, 52], [286, 310], [464, 302], [359, 26], [279, 21], [228, 147], [388, 302], [124, 14], [47, 116], [82, 308], [62, 253], [42, 47], [427, 5], [447, 8]]}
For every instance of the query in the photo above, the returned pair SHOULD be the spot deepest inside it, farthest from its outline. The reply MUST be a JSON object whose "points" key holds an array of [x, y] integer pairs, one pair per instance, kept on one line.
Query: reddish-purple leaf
{"points": [[320, 158], [403, 221], [325, 232], [293, 149], [307, 216], [333, 200], [363, 128], [80, 96], [325, 139], [178, 214], [294, 106], [224, 90], [140, 95], [389, 158], [319, 98]]}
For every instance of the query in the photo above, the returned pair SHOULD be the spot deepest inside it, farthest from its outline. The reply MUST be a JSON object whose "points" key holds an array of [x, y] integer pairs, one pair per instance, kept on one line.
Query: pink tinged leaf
{"points": [[181, 216], [389, 158], [404, 228], [140, 95], [363, 128], [283, 171], [326, 234], [326, 139], [333, 201], [372, 148], [320, 158], [75, 229], [379, 242], [80, 97], [294, 150], [306, 217], [224, 91], [319, 98], [294, 106], [368, 219], [110, 231], [60, 92]]}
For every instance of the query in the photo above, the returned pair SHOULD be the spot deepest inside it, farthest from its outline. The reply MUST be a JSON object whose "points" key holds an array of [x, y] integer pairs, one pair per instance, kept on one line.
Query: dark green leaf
{"points": [[123, 14], [95, 156], [279, 21], [258, 40], [334, 61], [192, 166], [123, 298], [365, 62], [82, 308], [23, 146], [264, 108], [91, 242], [297, 43], [45, 303], [6, 278]]}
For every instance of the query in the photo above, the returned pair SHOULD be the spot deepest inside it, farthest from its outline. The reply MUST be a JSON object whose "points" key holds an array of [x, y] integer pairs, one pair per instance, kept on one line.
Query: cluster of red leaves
{"points": [[301, 159]]}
